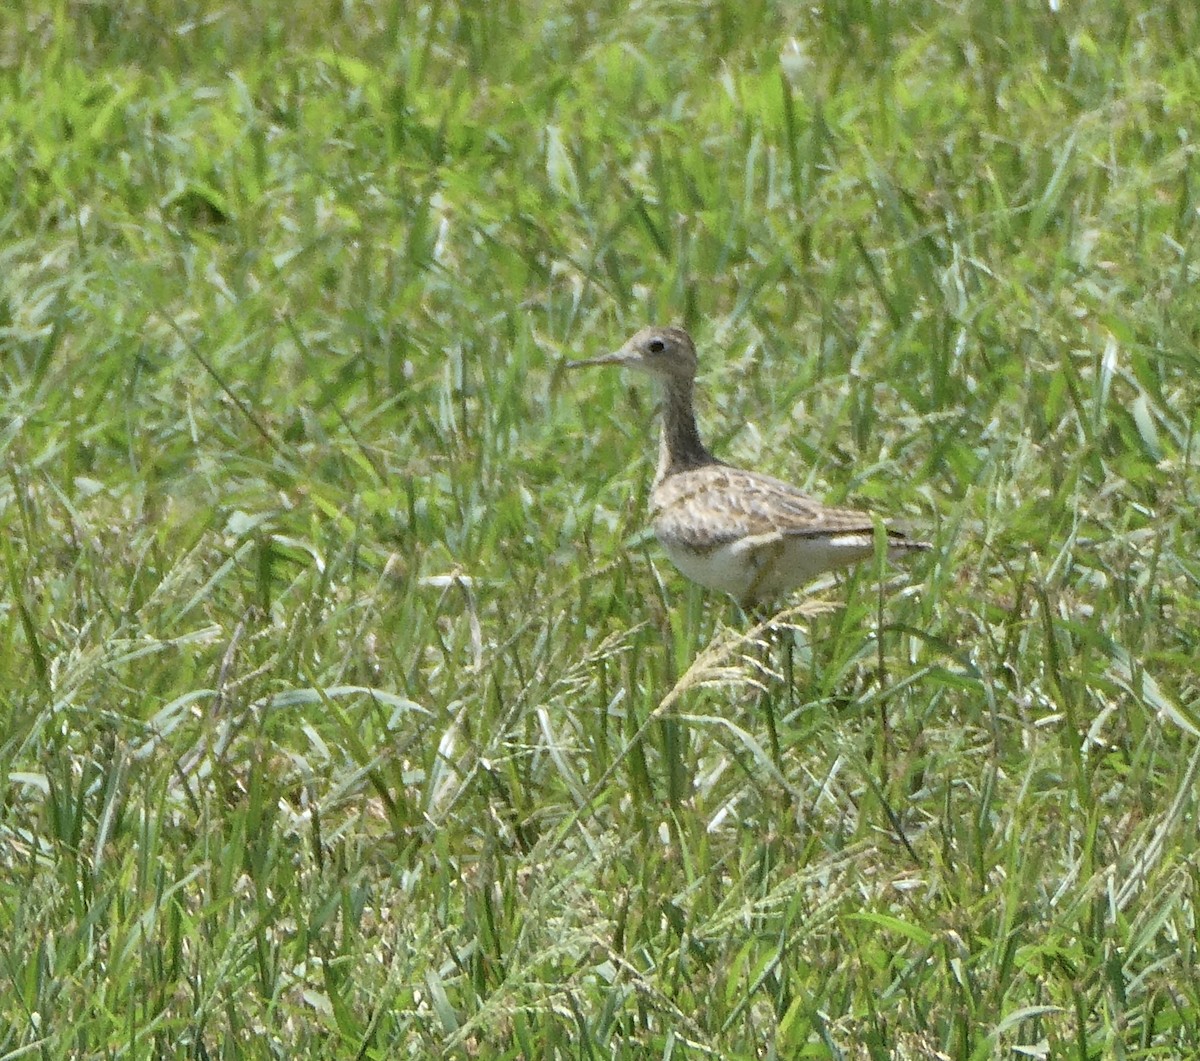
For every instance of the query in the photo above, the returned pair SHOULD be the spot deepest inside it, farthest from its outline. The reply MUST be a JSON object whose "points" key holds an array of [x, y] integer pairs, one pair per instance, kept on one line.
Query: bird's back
{"points": [[754, 536]]}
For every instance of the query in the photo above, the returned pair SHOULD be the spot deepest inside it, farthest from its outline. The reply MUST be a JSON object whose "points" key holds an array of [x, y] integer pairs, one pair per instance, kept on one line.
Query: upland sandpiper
{"points": [[745, 534]]}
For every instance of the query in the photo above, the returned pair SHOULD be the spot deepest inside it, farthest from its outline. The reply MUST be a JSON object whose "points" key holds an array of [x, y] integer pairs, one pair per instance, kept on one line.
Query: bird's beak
{"points": [[624, 356]]}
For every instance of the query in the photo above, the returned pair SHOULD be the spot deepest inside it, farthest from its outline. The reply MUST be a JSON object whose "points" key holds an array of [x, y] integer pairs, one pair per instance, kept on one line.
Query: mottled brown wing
{"points": [[715, 505]]}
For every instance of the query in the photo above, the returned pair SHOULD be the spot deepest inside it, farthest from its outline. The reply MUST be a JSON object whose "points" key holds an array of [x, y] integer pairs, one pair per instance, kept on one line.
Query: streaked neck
{"points": [[679, 446]]}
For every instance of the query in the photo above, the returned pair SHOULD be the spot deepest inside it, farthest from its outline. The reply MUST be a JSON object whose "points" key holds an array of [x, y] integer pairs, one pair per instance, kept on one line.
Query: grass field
{"points": [[347, 708]]}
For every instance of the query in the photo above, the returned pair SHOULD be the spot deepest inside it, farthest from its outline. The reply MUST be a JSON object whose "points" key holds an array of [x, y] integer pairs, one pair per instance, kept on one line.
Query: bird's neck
{"points": [[679, 446]]}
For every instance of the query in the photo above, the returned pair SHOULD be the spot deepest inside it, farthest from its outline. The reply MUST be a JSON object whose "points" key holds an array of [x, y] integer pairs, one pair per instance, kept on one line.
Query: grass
{"points": [[346, 707]]}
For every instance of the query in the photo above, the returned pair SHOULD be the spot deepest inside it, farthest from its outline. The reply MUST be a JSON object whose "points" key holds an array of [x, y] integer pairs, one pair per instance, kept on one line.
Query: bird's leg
{"points": [[760, 616]]}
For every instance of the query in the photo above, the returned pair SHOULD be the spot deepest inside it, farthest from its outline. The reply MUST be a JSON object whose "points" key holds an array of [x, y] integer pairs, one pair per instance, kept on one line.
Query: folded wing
{"points": [[717, 505]]}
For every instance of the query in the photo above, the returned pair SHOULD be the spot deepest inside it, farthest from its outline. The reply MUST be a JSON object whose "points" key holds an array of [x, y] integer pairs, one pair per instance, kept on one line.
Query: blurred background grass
{"points": [[333, 650]]}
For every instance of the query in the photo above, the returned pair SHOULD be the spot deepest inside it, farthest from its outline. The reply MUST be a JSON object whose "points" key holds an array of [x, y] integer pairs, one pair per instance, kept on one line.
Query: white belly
{"points": [[769, 565]]}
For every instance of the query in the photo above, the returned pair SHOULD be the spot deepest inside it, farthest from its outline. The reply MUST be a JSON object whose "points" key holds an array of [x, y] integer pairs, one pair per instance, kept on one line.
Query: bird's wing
{"points": [[715, 505]]}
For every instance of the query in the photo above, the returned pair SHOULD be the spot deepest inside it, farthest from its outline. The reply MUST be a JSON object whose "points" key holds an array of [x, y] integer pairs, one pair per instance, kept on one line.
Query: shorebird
{"points": [[729, 529]]}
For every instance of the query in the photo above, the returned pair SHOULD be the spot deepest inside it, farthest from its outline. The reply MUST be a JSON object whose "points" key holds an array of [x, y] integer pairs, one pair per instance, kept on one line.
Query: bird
{"points": [[739, 532]]}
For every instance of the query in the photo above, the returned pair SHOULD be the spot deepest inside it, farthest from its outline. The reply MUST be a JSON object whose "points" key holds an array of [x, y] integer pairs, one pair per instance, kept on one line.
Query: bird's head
{"points": [[665, 353]]}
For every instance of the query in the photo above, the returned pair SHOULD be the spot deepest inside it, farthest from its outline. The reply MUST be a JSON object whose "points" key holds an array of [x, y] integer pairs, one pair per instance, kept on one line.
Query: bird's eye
{"points": [[657, 346]]}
